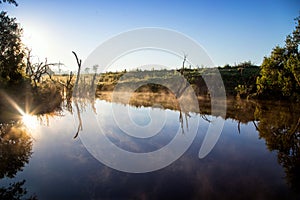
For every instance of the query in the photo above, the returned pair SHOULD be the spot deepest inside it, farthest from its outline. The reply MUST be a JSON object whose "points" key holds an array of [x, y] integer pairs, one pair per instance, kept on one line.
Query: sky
{"points": [[230, 31]]}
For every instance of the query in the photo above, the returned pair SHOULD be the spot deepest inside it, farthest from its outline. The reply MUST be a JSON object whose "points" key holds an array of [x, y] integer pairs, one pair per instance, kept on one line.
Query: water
{"points": [[256, 156]]}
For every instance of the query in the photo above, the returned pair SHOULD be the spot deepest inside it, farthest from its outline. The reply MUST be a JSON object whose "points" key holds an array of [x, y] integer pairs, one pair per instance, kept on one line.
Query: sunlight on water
{"points": [[29, 121]]}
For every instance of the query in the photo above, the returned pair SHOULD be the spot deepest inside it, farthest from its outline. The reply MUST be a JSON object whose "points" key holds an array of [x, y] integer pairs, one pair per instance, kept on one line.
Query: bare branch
{"points": [[78, 73], [78, 60]]}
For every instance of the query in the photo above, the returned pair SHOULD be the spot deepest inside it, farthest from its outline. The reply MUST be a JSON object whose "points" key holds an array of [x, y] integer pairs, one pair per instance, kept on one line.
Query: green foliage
{"points": [[280, 72], [240, 80], [245, 64], [294, 65], [236, 81], [242, 90], [9, 1], [11, 51]]}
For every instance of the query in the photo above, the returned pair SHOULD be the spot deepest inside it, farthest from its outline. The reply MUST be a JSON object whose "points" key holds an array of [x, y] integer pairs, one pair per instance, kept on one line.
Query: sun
{"points": [[29, 121]]}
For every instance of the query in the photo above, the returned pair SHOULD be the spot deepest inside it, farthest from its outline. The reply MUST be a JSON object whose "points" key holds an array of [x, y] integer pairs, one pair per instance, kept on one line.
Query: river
{"points": [[106, 149]]}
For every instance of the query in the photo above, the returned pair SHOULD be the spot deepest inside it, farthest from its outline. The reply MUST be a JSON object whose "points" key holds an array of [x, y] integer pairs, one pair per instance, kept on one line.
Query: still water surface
{"points": [[256, 157]]}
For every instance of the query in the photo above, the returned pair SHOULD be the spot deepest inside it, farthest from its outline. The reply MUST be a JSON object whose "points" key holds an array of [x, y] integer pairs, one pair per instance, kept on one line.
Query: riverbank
{"points": [[237, 80], [23, 99], [149, 85]]}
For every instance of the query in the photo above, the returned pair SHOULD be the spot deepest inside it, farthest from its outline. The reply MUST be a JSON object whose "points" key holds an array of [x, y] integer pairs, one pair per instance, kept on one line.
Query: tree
{"points": [[11, 50], [280, 72], [9, 1], [35, 71]]}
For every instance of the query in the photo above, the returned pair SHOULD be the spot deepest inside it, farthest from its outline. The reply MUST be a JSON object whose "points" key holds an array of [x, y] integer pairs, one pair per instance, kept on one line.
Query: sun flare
{"points": [[29, 121]]}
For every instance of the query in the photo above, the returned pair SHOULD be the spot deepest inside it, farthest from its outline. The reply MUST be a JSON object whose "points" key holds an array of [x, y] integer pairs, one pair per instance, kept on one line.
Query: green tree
{"points": [[280, 72], [9, 1], [11, 50]]}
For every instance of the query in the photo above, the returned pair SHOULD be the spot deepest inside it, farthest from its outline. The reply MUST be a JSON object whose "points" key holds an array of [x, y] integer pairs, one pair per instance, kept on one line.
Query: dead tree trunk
{"points": [[183, 63], [78, 74]]}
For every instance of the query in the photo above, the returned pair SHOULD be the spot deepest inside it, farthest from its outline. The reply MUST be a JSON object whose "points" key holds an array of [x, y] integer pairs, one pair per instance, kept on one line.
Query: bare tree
{"points": [[95, 68], [78, 73], [87, 70], [37, 70], [183, 63]]}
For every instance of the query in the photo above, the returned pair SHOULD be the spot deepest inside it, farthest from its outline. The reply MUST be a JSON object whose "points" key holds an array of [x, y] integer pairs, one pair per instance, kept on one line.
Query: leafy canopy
{"points": [[9, 1], [280, 72], [11, 50]]}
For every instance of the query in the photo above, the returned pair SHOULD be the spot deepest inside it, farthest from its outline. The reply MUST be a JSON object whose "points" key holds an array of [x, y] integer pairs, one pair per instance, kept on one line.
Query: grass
{"points": [[234, 79]]}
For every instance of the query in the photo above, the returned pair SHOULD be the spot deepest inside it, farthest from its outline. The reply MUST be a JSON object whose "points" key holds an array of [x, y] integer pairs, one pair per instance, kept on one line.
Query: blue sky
{"points": [[230, 31]]}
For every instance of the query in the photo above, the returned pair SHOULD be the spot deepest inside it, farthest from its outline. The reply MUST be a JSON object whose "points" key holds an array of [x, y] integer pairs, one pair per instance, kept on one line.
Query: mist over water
{"points": [[250, 150]]}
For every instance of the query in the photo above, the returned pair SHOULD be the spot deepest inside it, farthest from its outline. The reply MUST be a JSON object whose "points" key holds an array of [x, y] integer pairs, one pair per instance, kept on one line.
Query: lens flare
{"points": [[29, 121]]}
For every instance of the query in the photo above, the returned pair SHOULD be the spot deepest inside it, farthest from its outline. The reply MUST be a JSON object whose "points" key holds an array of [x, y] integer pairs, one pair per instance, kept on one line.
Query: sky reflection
{"points": [[239, 166]]}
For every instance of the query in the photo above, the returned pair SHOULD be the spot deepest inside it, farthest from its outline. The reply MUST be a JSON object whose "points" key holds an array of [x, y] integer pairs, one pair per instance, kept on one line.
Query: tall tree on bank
{"points": [[11, 49], [280, 72]]}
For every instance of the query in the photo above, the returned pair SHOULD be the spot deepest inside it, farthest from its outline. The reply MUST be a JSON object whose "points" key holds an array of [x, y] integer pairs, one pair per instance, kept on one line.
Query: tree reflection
{"points": [[280, 127], [15, 191], [15, 148], [277, 122], [15, 152]]}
